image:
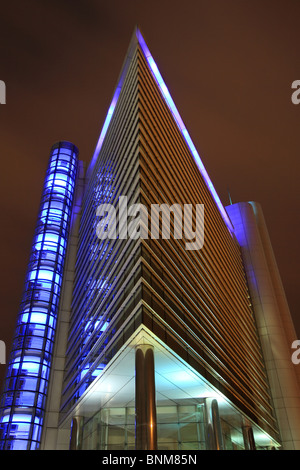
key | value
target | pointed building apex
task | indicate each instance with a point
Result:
(136, 39)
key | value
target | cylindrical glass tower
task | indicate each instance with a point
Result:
(25, 388)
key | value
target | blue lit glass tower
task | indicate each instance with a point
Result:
(26, 384)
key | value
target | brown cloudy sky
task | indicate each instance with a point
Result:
(229, 66)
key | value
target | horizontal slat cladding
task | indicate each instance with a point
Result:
(204, 292)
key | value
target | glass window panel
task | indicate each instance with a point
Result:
(116, 436)
(18, 445)
(166, 414)
(167, 432)
(187, 413)
(188, 432)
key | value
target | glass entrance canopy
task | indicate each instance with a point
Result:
(107, 408)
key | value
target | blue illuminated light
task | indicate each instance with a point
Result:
(26, 384)
(106, 124)
(182, 127)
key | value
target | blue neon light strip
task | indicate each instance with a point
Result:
(182, 127)
(171, 105)
(27, 379)
(106, 124)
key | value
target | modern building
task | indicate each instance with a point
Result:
(131, 334)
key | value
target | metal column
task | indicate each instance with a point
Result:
(248, 436)
(76, 433)
(214, 431)
(145, 421)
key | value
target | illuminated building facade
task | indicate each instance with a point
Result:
(156, 346)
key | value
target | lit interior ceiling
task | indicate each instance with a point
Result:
(175, 381)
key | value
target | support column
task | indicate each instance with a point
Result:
(76, 433)
(248, 436)
(145, 406)
(213, 425)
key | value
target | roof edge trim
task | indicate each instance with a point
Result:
(137, 38)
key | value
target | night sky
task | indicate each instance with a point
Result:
(229, 66)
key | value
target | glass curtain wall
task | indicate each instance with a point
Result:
(179, 427)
